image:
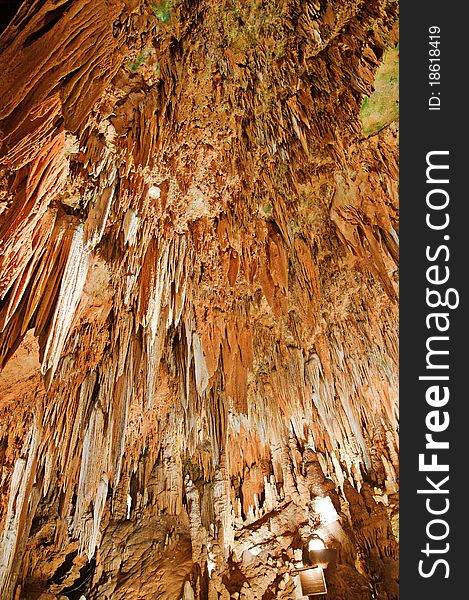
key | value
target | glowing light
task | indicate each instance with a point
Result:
(326, 510)
(210, 566)
(297, 554)
(316, 544)
(154, 192)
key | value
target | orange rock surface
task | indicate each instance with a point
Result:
(198, 299)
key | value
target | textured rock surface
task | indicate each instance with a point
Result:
(198, 285)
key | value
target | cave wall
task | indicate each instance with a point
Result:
(198, 284)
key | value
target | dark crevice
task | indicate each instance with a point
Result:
(64, 568)
(50, 19)
(82, 584)
(8, 9)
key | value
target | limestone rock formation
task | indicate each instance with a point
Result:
(198, 298)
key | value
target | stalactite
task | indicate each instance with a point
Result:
(69, 295)
(21, 483)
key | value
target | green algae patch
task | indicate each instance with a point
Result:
(382, 107)
(162, 10)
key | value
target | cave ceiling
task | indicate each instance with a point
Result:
(198, 298)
